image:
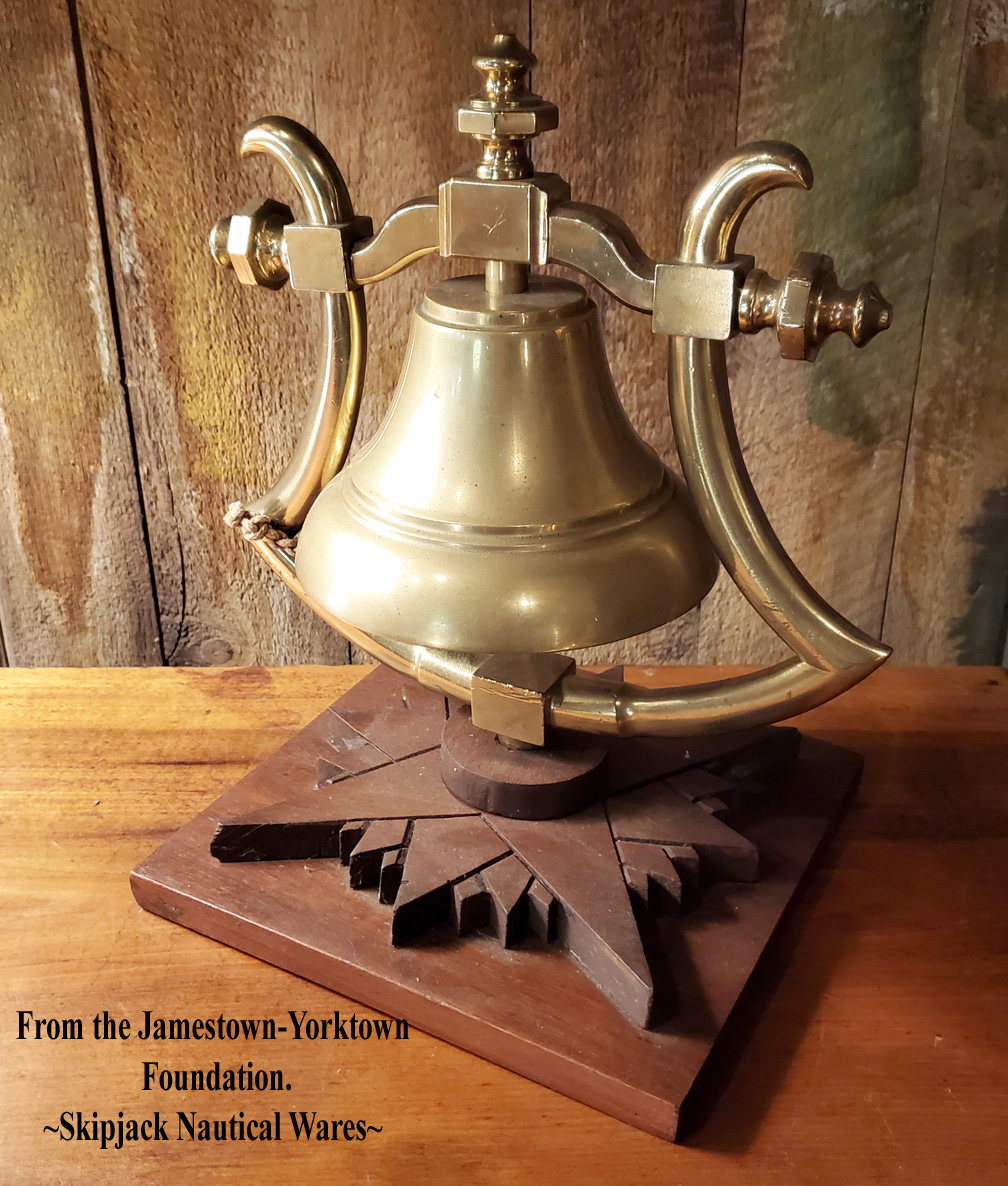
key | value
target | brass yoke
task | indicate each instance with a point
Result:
(513, 218)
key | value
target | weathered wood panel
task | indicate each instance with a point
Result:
(219, 374)
(75, 582)
(867, 90)
(948, 597)
(648, 96)
(215, 374)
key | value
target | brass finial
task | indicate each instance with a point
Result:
(505, 114)
(809, 305)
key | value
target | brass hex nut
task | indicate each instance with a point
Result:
(798, 306)
(254, 244)
(527, 120)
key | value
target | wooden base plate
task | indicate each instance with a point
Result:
(632, 1042)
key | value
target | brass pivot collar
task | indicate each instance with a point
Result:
(809, 305)
(505, 114)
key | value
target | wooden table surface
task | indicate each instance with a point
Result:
(874, 1047)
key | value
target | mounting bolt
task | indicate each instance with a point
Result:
(251, 242)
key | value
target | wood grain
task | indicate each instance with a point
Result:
(875, 1041)
(216, 374)
(75, 584)
(307, 915)
(867, 91)
(908, 190)
(220, 373)
(648, 97)
(948, 595)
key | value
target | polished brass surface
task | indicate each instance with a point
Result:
(504, 278)
(332, 412)
(828, 645)
(510, 695)
(409, 233)
(505, 516)
(504, 220)
(699, 300)
(506, 507)
(601, 246)
(587, 702)
(505, 114)
(318, 257)
(808, 305)
(532, 221)
(493, 220)
(251, 242)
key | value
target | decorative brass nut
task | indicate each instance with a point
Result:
(809, 305)
(218, 241)
(251, 242)
(797, 306)
(506, 113)
(529, 121)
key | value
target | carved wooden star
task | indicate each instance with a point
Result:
(377, 804)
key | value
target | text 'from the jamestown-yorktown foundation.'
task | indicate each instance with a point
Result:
(227, 1081)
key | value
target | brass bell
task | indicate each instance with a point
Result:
(506, 504)
(506, 509)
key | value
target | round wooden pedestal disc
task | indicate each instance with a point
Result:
(562, 777)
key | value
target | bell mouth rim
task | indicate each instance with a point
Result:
(463, 302)
(490, 595)
(396, 521)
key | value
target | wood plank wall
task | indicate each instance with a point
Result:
(141, 390)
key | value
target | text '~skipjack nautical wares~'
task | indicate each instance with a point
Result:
(579, 835)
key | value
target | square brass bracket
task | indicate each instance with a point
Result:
(699, 300)
(318, 256)
(510, 694)
(503, 220)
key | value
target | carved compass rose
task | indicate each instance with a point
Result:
(584, 883)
